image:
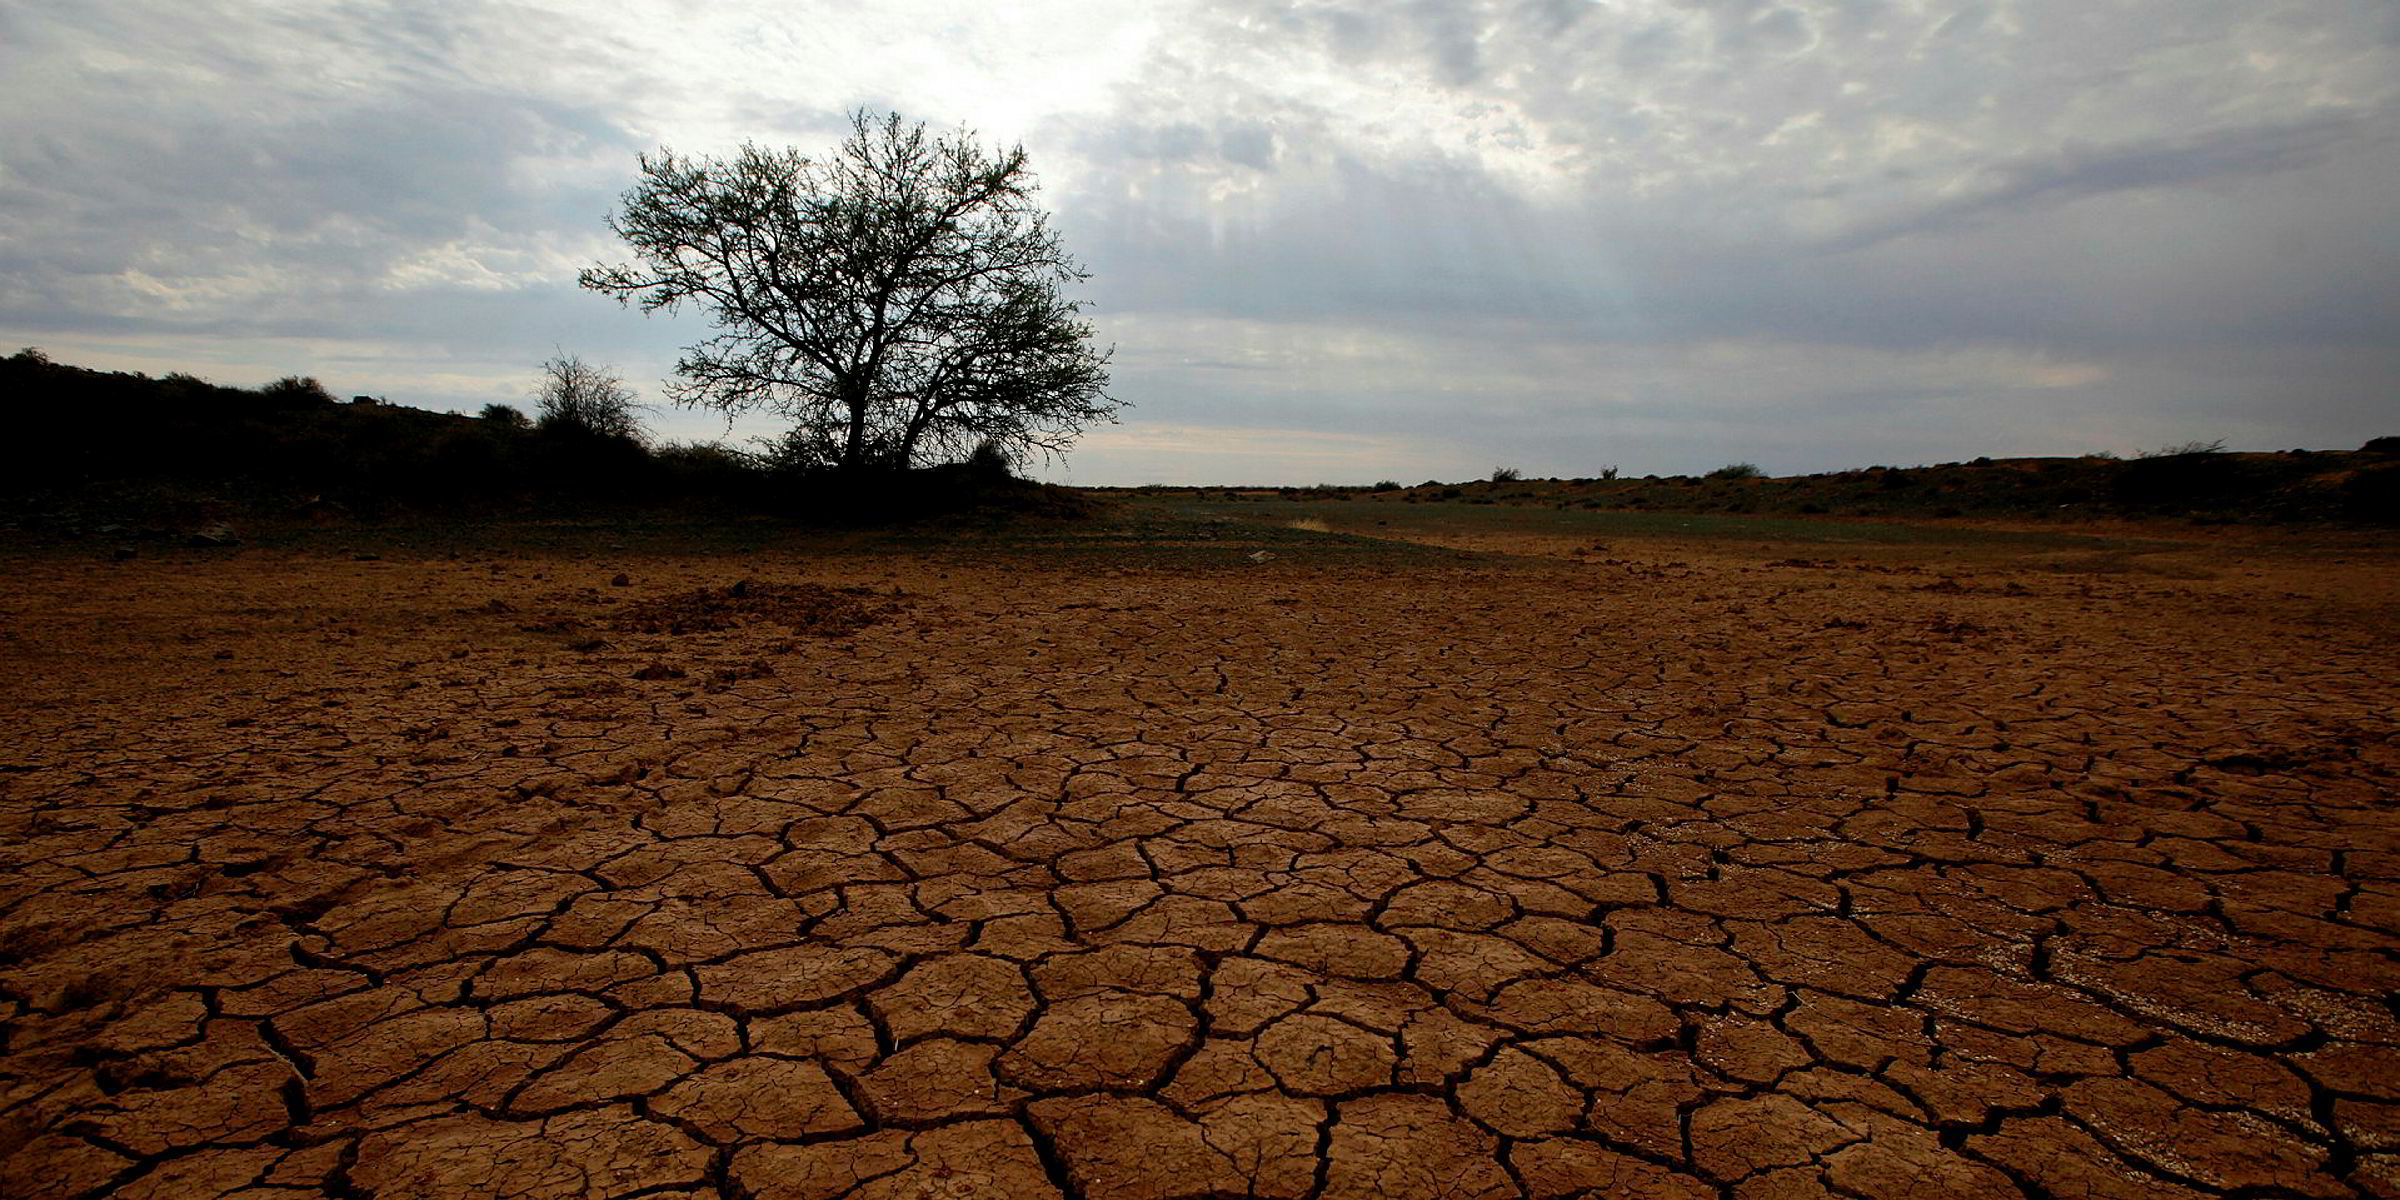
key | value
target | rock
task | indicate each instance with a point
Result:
(215, 533)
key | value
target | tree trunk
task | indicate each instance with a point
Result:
(908, 442)
(854, 449)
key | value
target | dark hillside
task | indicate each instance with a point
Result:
(79, 430)
(92, 448)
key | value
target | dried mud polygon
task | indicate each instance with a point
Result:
(1658, 877)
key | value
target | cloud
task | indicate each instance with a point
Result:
(1661, 233)
(1153, 452)
(2076, 170)
(234, 186)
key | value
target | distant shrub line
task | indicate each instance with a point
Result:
(2200, 481)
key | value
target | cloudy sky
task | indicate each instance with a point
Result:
(1337, 240)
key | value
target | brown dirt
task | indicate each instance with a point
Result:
(1666, 872)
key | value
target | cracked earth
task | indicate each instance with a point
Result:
(957, 876)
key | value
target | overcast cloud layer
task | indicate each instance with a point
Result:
(1335, 241)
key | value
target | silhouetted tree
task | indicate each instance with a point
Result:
(898, 302)
(577, 397)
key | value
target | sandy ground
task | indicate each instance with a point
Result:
(1653, 871)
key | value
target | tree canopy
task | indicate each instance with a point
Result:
(899, 302)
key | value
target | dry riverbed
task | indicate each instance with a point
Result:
(1220, 860)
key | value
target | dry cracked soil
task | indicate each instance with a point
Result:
(910, 871)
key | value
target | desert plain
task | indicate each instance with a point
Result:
(1205, 849)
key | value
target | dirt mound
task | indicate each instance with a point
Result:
(809, 609)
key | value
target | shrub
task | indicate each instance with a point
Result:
(795, 453)
(990, 460)
(576, 397)
(2175, 481)
(1506, 474)
(2178, 451)
(1739, 470)
(707, 469)
(459, 463)
(296, 391)
(506, 416)
(2373, 494)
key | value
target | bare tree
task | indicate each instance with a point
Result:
(899, 302)
(581, 397)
